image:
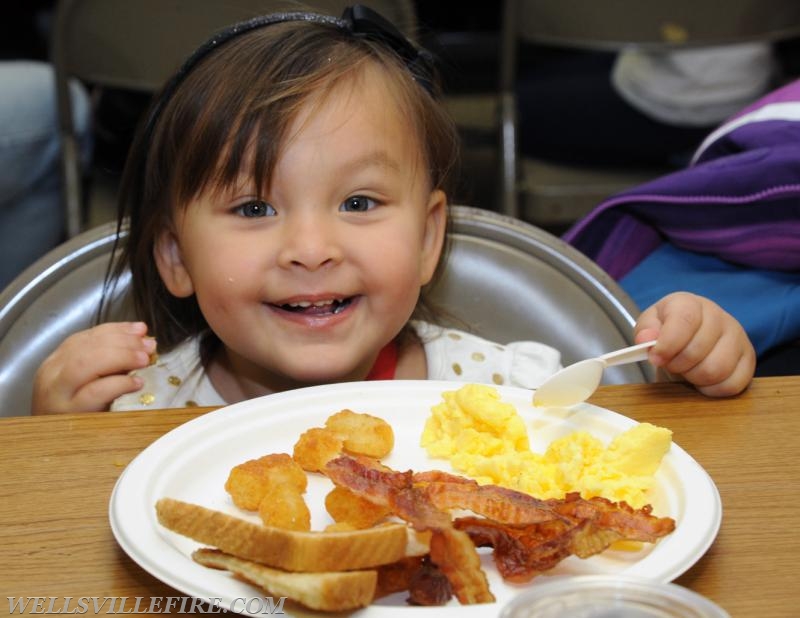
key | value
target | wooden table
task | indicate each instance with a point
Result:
(57, 473)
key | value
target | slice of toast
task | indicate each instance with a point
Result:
(288, 549)
(330, 592)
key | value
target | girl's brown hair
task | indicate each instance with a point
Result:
(236, 102)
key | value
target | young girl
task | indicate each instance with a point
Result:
(287, 202)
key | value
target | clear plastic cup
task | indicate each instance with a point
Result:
(610, 596)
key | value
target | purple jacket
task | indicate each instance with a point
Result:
(739, 199)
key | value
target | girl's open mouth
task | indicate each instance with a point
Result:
(320, 307)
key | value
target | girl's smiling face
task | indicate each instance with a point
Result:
(307, 283)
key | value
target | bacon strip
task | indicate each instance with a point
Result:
(451, 550)
(367, 477)
(588, 527)
(631, 524)
(507, 506)
(522, 552)
(429, 586)
(497, 503)
(528, 536)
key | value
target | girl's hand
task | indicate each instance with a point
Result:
(90, 369)
(700, 342)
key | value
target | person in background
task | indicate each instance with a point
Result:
(696, 87)
(635, 107)
(288, 206)
(32, 218)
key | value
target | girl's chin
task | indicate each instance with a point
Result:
(326, 377)
(292, 375)
(322, 374)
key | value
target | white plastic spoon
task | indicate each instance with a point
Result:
(576, 383)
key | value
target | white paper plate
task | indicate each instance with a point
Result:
(192, 462)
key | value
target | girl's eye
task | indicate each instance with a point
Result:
(357, 203)
(255, 208)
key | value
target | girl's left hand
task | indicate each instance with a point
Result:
(700, 342)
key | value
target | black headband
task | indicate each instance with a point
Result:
(358, 20)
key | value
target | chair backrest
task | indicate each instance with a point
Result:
(138, 45)
(510, 281)
(654, 23)
(507, 280)
(616, 24)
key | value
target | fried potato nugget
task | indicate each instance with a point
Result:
(362, 434)
(250, 481)
(316, 447)
(347, 507)
(284, 507)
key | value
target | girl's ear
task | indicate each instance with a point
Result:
(433, 241)
(169, 261)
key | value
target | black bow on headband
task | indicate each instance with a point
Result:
(366, 23)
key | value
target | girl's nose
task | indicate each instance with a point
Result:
(310, 242)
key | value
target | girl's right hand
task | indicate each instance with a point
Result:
(91, 368)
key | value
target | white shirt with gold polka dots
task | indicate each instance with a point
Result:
(178, 380)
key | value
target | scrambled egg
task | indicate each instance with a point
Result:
(486, 439)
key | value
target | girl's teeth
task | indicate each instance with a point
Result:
(305, 304)
(319, 307)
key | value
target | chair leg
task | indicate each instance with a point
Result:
(72, 186)
(508, 157)
(509, 199)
